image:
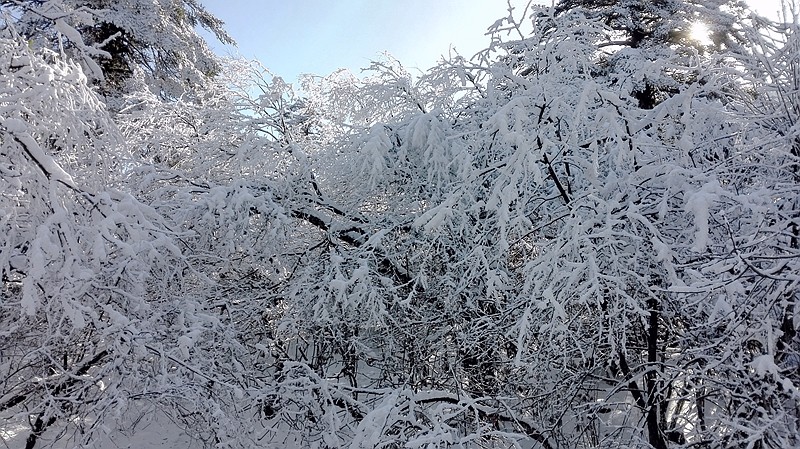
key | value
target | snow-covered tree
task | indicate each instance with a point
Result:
(97, 286)
(643, 38)
(586, 236)
(557, 260)
(118, 42)
(76, 252)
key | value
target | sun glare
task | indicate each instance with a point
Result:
(700, 33)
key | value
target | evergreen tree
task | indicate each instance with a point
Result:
(116, 40)
(641, 35)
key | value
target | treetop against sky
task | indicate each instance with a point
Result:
(320, 36)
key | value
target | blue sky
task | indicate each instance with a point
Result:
(291, 37)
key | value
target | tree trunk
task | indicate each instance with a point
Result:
(654, 396)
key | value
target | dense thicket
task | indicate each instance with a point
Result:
(585, 236)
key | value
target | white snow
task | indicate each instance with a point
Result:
(699, 203)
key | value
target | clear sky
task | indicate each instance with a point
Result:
(291, 37)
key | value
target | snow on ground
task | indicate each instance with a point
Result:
(148, 433)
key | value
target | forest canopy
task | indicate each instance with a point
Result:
(585, 236)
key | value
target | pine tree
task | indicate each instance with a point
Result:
(640, 33)
(118, 41)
